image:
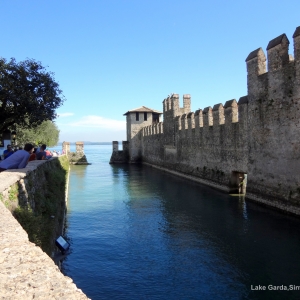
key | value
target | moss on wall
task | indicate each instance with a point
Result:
(11, 200)
(38, 202)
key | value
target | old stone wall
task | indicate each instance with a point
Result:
(273, 117)
(134, 134)
(35, 198)
(259, 135)
(35, 195)
(199, 149)
(120, 156)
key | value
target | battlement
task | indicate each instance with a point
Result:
(296, 37)
(153, 129)
(207, 116)
(277, 52)
(191, 120)
(115, 145)
(257, 135)
(183, 122)
(219, 114)
(198, 118)
(283, 69)
(231, 112)
(171, 105)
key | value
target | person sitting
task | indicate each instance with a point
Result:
(48, 154)
(38, 149)
(8, 152)
(33, 155)
(41, 155)
(17, 161)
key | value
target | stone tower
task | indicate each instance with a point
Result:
(136, 119)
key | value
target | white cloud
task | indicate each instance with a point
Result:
(91, 135)
(99, 122)
(67, 114)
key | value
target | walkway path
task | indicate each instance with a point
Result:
(26, 272)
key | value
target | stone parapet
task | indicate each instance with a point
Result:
(119, 156)
(26, 272)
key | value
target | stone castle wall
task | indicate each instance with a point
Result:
(259, 134)
(197, 148)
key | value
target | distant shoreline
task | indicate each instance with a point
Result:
(89, 143)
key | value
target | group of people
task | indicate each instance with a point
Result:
(19, 159)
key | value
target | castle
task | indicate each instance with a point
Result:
(253, 142)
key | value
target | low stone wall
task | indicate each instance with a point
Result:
(36, 197)
(119, 157)
(26, 272)
(77, 158)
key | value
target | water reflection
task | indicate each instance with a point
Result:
(243, 206)
(216, 227)
(139, 233)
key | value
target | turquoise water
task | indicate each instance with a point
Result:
(138, 233)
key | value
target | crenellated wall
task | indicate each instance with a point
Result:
(208, 143)
(273, 120)
(259, 135)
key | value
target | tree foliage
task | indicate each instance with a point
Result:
(46, 133)
(29, 94)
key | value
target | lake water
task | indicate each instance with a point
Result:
(139, 233)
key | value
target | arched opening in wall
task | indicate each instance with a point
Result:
(238, 183)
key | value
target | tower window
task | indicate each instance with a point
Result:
(155, 118)
(145, 116)
(137, 116)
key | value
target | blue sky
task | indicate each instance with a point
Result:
(115, 55)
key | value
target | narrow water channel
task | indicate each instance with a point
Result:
(139, 233)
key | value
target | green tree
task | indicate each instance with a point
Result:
(46, 133)
(29, 94)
